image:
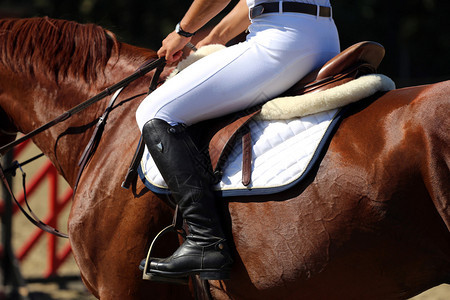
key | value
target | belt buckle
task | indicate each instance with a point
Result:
(256, 11)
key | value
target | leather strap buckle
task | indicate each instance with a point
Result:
(256, 11)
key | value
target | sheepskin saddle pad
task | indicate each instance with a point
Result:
(287, 137)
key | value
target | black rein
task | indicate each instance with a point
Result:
(90, 149)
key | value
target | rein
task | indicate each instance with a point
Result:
(147, 67)
(30, 216)
(93, 142)
(7, 132)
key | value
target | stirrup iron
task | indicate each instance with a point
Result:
(174, 227)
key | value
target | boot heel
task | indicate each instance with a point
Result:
(215, 275)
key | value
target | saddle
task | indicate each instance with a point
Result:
(360, 59)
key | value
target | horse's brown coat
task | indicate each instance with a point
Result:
(372, 224)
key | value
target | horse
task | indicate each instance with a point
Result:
(371, 222)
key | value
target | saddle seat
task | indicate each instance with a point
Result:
(360, 59)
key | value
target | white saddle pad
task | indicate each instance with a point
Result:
(284, 147)
(282, 151)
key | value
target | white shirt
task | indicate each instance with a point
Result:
(252, 3)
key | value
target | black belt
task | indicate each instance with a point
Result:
(297, 7)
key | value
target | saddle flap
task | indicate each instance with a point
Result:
(222, 142)
(361, 58)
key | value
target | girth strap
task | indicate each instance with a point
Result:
(246, 158)
(223, 141)
(132, 169)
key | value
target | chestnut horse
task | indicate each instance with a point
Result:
(372, 222)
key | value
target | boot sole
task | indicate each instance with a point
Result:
(163, 279)
(218, 275)
(204, 274)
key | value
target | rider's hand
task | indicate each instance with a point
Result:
(172, 46)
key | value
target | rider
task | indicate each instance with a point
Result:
(286, 40)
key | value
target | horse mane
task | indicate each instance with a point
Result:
(58, 48)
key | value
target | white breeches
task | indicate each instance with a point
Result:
(279, 51)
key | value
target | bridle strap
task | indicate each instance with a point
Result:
(150, 65)
(93, 143)
(95, 139)
(5, 132)
(98, 131)
(32, 218)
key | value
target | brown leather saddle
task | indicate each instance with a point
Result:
(360, 59)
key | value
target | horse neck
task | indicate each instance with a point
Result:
(32, 103)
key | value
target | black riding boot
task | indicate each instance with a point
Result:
(187, 172)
